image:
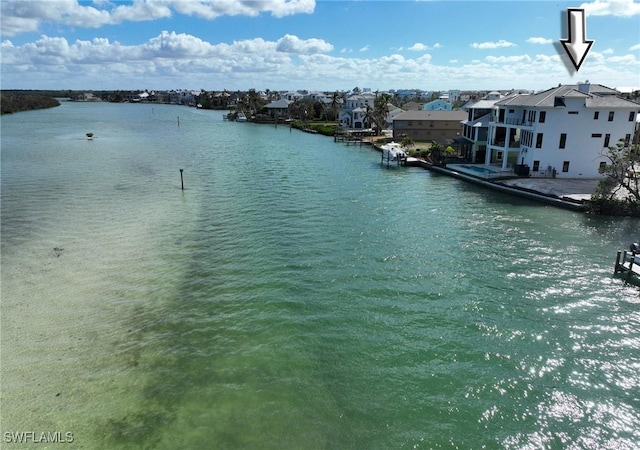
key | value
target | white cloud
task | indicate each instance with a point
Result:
(293, 44)
(625, 59)
(420, 47)
(177, 60)
(490, 45)
(366, 48)
(19, 16)
(539, 40)
(624, 8)
(508, 59)
(635, 47)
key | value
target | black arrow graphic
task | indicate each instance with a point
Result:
(577, 45)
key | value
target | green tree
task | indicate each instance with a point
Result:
(335, 103)
(621, 177)
(407, 142)
(368, 117)
(380, 111)
(435, 147)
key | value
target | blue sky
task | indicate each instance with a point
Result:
(306, 44)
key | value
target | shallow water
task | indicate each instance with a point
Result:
(296, 294)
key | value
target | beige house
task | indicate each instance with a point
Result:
(425, 126)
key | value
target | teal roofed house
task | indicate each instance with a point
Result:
(437, 105)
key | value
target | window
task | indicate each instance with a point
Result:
(563, 140)
(543, 116)
(539, 140)
(511, 111)
(565, 166)
(573, 112)
(596, 135)
(498, 156)
(536, 166)
(607, 138)
(602, 167)
(627, 139)
(632, 116)
(611, 114)
(596, 115)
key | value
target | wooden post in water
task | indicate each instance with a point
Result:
(181, 180)
(178, 120)
(631, 260)
(617, 267)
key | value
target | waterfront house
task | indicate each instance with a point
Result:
(353, 114)
(563, 131)
(475, 128)
(279, 108)
(443, 127)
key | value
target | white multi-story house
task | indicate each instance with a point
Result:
(476, 128)
(563, 131)
(353, 112)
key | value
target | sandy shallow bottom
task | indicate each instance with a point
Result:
(65, 347)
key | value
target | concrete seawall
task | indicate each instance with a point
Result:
(496, 186)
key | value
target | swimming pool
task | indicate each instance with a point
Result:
(479, 169)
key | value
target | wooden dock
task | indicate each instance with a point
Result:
(628, 266)
(348, 139)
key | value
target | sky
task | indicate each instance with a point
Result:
(323, 45)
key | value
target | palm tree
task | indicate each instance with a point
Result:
(381, 109)
(368, 117)
(335, 103)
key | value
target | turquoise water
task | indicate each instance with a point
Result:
(479, 169)
(297, 294)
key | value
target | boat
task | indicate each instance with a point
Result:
(393, 151)
(241, 117)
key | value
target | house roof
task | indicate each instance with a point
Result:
(282, 103)
(431, 115)
(480, 122)
(595, 95)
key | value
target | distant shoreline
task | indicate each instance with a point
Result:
(13, 102)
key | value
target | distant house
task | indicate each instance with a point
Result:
(412, 106)
(392, 112)
(86, 97)
(279, 108)
(475, 128)
(292, 96)
(560, 132)
(443, 127)
(437, 105)
(353, 114)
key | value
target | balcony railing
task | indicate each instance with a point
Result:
(517, 122)
(501, 143)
